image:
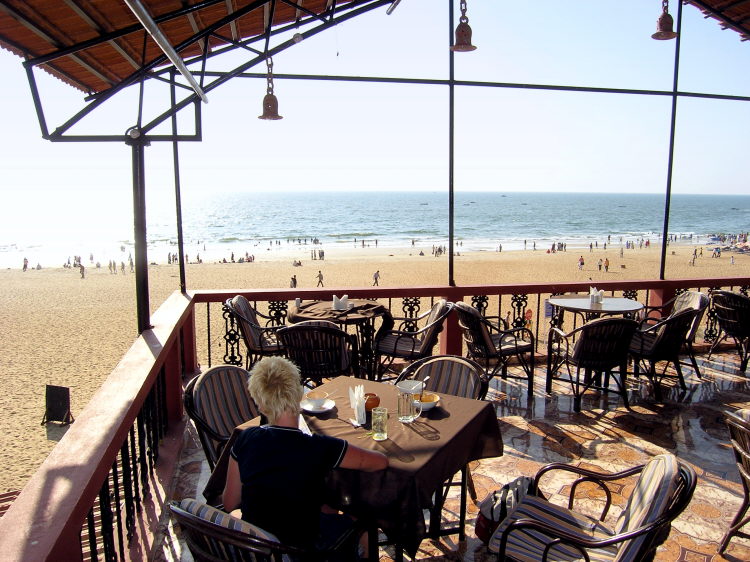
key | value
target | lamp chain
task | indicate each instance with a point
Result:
(462, 7)
(269, 75)
(665, 6)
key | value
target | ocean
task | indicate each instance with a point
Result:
(217, 225)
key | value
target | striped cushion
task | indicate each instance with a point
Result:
(528, 545)
(398, 345)
(650, 498)
(221, 398)
(509, 344)
(223, 519)
(450, 375)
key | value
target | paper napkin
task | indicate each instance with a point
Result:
(357, 401)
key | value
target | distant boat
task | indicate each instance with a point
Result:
(424, 203)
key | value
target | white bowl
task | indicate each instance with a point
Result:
(316, 398)
(426, 406)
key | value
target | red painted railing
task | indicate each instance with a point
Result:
(45, 521)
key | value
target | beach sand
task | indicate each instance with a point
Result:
(63, 330)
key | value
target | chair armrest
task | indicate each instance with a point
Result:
(580, 542)
(595, 477)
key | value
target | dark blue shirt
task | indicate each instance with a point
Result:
(283, 476)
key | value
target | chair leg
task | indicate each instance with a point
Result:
(691, 354)
(655, 381)
(737, 523)
(470, 485)
(680, 378)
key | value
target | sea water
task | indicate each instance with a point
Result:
(216, 226)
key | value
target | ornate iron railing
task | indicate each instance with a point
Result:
(90, 494)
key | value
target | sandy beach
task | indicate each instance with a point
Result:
(63, 330)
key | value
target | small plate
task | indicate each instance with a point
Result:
(308, 407)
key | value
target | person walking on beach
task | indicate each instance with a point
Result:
(580, 263)
(606, 264)
(293, 282)
(320, 279)
(600, 264)
(83, 271)
(376, 278)
(25, 264)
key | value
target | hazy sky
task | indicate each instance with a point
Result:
(348, 136)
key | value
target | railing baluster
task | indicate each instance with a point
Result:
(118, 506)
(105, 511)
(127, 485)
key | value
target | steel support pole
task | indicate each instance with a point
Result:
(177, 192)
(139, 226)
(451, 119)
(668, 197)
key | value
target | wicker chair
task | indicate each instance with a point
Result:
(600, 346)
(393, 344)
(685, 301)
(450, 374)
(213, 535)
(733, 315)
(218, 401)
(662, 341)
(739, 433)
(537, 530)
(487, 342)
(259, 341)
(320, 349)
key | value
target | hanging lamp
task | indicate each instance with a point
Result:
(270, 103)
(463, 32)
(665, 24)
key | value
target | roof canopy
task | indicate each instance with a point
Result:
(95, 45)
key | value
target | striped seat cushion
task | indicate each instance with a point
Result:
(508, 344)
(652, 495)
(450, 375)
(223, 519)
(221, 398)
(398, 345)
(528, 545)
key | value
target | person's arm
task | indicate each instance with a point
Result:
(232, 496)
(358, 458)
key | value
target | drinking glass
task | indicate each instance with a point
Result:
(409, 406)
(380, 423)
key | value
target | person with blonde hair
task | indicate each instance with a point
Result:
(276, 473)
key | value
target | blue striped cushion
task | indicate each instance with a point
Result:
(449, 375)
(223, 519)
(528, 545)
(221, 398)
(650, 498)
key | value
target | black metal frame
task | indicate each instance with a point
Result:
(140, 136)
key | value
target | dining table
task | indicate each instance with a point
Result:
(361, 314)
(423, 456)
(591, 310)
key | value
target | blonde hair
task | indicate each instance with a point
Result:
(275, 385)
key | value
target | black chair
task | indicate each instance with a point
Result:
(540, 530)
(320, 349)
(684, 301)
(218, 401)
(739, 432)
(410, 345)
(733, 315)
(662, 341)
(489, 342)
(260, 341)
(458, 376)
(213, 535)
(597, 348)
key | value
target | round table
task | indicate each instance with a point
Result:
(361, 314)
(583, 305)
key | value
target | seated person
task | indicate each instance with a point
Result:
(277, 473)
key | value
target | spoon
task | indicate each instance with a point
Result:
(424, 383)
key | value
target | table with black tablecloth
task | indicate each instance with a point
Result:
(422, 456)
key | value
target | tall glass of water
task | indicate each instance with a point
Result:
(409, 407)
(380, 423)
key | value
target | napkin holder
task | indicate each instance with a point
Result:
(341, 303)
(357, 400)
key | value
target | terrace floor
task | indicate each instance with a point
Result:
(540, 429)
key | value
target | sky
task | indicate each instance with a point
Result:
(354, 136)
